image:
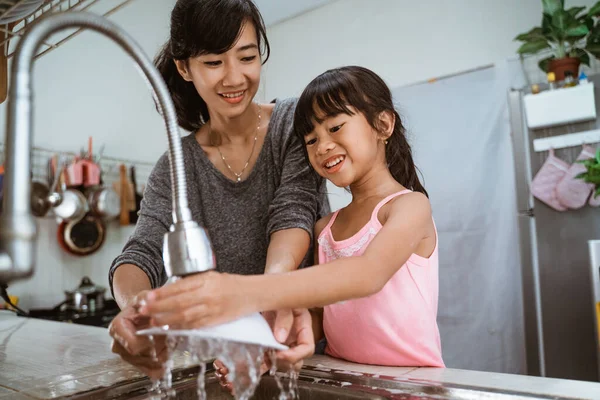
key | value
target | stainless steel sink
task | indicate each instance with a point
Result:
(315, 383)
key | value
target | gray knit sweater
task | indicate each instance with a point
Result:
(281, 192)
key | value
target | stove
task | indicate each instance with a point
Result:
(101, 317)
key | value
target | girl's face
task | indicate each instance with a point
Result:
(229, 81)
(344, 148)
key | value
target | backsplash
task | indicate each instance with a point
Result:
(57, 271)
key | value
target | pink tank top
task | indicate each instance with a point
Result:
(396, 326)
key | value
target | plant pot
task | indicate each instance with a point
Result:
(562, 65)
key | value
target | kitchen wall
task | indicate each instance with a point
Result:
(89, 87)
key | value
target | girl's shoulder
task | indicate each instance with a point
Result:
(321, 224)
(411, 203)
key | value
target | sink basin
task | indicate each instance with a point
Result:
(315, 383)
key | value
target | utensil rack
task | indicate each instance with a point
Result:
(109, 165)
(47, 8)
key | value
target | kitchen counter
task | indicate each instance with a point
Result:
(44, 359)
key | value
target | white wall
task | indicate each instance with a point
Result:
(405, 41)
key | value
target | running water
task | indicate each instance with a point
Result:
(243, 361)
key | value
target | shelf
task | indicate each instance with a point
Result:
(560, 106)
(50, 7)
(568, 140)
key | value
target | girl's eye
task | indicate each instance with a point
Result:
(248, 59)
(336, 128)
(311, 141)
(212, 63)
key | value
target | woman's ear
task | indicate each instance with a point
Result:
(183, 69)
(386, 123)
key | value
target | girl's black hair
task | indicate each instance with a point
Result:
(334, 91)
(203, 27)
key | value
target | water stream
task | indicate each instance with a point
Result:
(243, 360)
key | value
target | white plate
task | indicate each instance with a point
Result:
(252, 329)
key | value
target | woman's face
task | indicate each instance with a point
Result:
(229, 81)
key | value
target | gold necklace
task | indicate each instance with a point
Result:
(239, 176)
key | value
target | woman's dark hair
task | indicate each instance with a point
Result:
(203, 27)
(334, 91)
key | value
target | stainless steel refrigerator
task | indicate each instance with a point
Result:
(558, 295)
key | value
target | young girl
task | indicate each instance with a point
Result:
(377, 276)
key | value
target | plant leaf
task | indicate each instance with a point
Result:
(595, 33)
(535, 33)
(543, 64)
(594, 11)
(533, 47)
(588, 21)
(561, 22)
(577, 31)
(593, 48)
(574, 11)
(547, 25)
(551, 6)
(583, 56)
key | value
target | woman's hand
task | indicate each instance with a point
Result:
(204, 299)
(137, 350)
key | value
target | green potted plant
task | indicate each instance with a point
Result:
(571, 35)
(592, 175)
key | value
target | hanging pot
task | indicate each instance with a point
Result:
(73, 205)
(104, 202)
(82, 237)
(87, 297)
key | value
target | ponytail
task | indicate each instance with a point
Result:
(399, 158)
(190, 107)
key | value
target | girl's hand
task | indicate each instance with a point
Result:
(300, 341)
(208, 298)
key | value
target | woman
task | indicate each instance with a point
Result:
(248, 182)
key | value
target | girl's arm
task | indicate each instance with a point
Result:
(408, 223)
(213, 298)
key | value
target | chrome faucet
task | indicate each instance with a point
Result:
(186, 249)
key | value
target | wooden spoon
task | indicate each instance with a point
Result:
(124, 216)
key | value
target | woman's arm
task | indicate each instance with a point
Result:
(286, 251)
(293, 211)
